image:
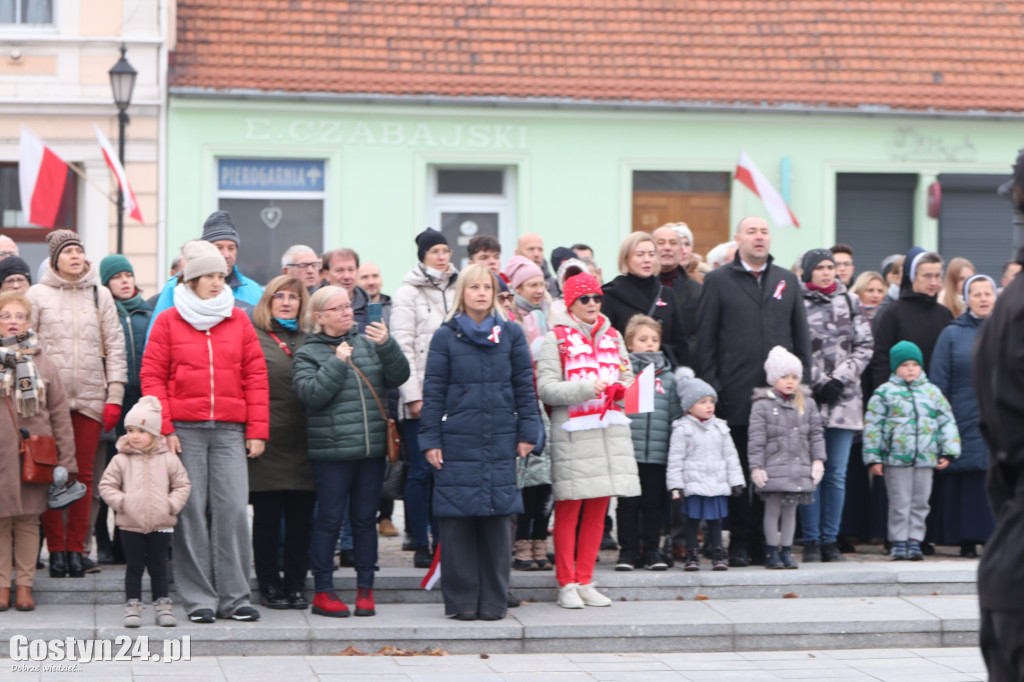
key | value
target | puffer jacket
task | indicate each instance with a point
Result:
(146, 491)
(584, 464)
(951, 374)
(478, 404)
(343, 421)
(909, 425)
(87, 349)
(841, 348)
(419, 308)
(217, 375)
(702, 458)
(134, 325)
(651, 431)
(784, 442)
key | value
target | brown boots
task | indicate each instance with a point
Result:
(531, 555)
(23, 600)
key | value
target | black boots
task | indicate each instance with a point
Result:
(76, 569)
(58, 564)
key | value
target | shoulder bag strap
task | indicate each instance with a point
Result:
(654, 305)
(370, 386)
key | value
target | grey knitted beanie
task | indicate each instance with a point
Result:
(691, 389)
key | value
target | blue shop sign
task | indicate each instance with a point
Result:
(279, 175)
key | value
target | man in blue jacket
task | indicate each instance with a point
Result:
(220, 231)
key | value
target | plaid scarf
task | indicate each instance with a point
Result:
(19, 378)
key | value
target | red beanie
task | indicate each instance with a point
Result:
(578, 285)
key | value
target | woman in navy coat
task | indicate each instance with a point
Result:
(479, 414)
(960, 510)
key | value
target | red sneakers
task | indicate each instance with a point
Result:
(328, 604)
(364, 602)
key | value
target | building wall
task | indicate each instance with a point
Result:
(54, 80)
(573, 168)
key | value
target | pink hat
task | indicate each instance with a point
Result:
(519, 269)
(580, 285)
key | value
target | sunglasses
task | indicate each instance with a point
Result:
(504, 296)
(586, 299)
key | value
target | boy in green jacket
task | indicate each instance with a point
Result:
(909, 430)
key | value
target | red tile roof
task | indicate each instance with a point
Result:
(945, 55)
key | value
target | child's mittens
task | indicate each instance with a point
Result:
(817, 471)
(676, 493)
(759, 477)
(737, 490)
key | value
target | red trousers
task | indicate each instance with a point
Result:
(69, 535)
(578, 538)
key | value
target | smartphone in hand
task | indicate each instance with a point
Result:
(373, 313)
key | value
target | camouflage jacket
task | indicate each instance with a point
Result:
(841, 348)
(909, 424)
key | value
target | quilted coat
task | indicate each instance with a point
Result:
(909, 424)
(841, 348)
(343, 421)
(217, 375)
(146, 491)
(478, 404)
(651, 431)
(76, 339)
(591, 463)
(783, 442)
(702, 458)
(951, 374)
(418, 309)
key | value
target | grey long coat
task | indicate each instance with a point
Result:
(783, 442)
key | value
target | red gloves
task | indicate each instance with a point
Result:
(612, 394)
(111, 415)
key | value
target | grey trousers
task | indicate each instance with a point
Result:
(212, 552)
(909, 489)
(476, 561)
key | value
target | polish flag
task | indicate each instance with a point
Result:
(640, 394)
(754, 179)
(434, 573)
(41, 178)
(131, 206)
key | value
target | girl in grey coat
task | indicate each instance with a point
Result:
(786, 449)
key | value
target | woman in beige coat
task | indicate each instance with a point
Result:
(31, 387)
(582, 373)
(76, 320)
(420, 306)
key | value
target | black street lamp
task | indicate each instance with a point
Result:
(122, 82)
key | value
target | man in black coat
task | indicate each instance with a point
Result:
(998, 371)
(916, 316)
(674, 277)
(746, 308)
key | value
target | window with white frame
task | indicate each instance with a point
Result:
(26, 12)
(466, 201)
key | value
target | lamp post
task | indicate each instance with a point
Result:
(122, 83)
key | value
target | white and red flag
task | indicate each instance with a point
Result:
(41, 178)
(434, 573)
(754, 179)
(640, 394)
(131, 206)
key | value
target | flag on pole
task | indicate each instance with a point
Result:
(640, 394)
(131, 206)
(41, 178)
(434, 574)
(754, 179)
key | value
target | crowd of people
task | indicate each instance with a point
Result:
(814, 403)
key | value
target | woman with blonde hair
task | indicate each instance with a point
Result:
(281, 479)
(958, 272)
(870, 287)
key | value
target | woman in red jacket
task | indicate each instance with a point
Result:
(203, 361)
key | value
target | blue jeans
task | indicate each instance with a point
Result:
(418, 518)
(820, 519)
(354, 485)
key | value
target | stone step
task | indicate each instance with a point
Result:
(632, 626)
(401, 585)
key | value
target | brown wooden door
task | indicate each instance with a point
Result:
(707, 214)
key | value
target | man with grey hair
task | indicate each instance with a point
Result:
(721, 254)
(669, 249)
(340, 268)
(7, 247)
(302, 263)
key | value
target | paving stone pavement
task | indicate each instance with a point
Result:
(889, 665)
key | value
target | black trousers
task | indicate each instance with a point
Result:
(1002, 644)
(475, 564)
(639, 518)
(268, 509)
(746, 511)
(145, 551)
(532, 524)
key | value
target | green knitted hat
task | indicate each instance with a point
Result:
(113, 264)
(903, 351)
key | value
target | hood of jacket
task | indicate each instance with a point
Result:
(418, 277)
(125, 449)
(768, 393)
(89, 278)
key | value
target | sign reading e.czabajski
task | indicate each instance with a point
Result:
(387, 133)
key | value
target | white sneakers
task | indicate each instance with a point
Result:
(576, 596)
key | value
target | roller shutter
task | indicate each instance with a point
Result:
(875, 215)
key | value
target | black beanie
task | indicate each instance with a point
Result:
(811, 260)
(219, 226)
(559, 255)
(12, 265)
(428, 239)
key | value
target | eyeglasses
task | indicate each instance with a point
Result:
(844, 263)
(338, 309)
(934, 277)
(305, 266)
(505, 297)
(587, 298)
(8, 254)
(285, 296)
(18, 317)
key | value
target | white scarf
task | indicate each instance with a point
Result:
(203, 314)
